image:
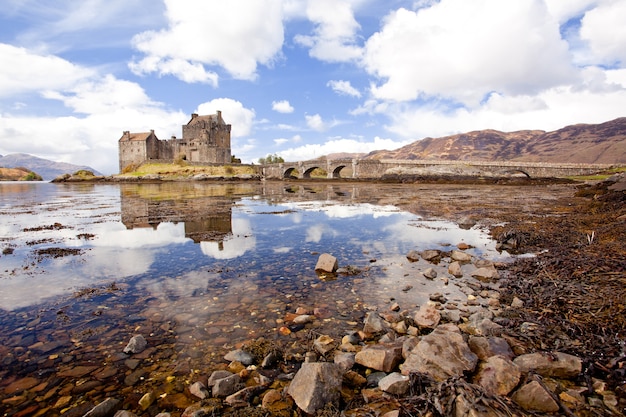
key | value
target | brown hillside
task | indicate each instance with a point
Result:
(18, 174)
(583, 143)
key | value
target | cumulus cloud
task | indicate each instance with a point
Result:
(462, 51)
(30, 72)
(604, 30)
(344, 88)
(236, 39)
(311, 151)
(233, 112)
(334, 37)
(315, 122)
(282, 106)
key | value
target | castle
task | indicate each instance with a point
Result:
(206, 139)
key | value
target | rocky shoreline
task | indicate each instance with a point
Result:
(543, 336)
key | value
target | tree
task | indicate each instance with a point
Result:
(271, 159)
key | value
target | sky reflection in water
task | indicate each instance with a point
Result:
(153, 235)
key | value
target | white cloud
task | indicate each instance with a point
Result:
(233, 112)
(215, 34)
(184, 70)
(604, 30)
(282, 106)
(312, 151)
(31, 72)
(344, 88)
(463, 50)
(334, 36)
(315, 122)
(280, 141)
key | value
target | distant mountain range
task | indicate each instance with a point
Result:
(48, 170)
(603, 143)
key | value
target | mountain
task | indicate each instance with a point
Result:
(48, 170)
(603, 143)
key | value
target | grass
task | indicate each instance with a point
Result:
(181, 171)
(599, 177)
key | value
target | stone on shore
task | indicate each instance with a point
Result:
(556, 364)
(430, 273)
(315, 385)
(106, 408)
(326, 263)
(486, 274)
(486, 347)
(395, 383)
(226, 386)
(454, 269)
(533, 397)
(441, 354)
(239, 355)
(459, 256)
(374, 323)
(498, 375)
(137, 344)
(380, 357)
(427, 316)
(431, 255)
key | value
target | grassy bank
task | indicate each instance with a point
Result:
(183, 170)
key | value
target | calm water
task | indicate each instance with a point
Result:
(200, 267)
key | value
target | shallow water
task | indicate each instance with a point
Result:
(200, 267)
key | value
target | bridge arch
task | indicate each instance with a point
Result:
(308, 171)
(517, 171)
(290, 173)
(336, 173)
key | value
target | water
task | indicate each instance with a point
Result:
(199, 268)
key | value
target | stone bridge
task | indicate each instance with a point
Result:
(375, 169)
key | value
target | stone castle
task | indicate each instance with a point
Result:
(206, 139)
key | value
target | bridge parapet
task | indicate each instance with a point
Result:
(374, 169)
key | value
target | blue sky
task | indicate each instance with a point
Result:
(301, 78)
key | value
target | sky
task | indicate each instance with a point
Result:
(301, 78)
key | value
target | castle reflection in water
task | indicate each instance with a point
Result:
(206, 214)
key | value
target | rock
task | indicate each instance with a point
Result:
(427, 317)
(226, 386)
(124, 413)
(352, 338)
(481, 327)
(106, 408)
(242, 398)
(395, 383)
(464, 407)
(486, 274)
(354, 379)
(431, 255)
(345, 360)
(199, 390)
(136, 344)
(315, 385)
(239, 355)
(517, 303)
(324, 344)
(533, 397)
(374, 324)
(380, 357)
(304, 319)
(459, 256)
(146, 401)
(413, 256)
(275, 402)
(326, 263)
(558, 364)
(498, 375)
(454, 269)
(374, 378)
(441, 354)
(270, 359)
(430, 273)
(216, 376)
(486, 347)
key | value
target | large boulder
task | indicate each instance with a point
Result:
(556, 364)
(498, 375)
(381, 357)
(326, 263)
(441, 354)
(315, 385)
